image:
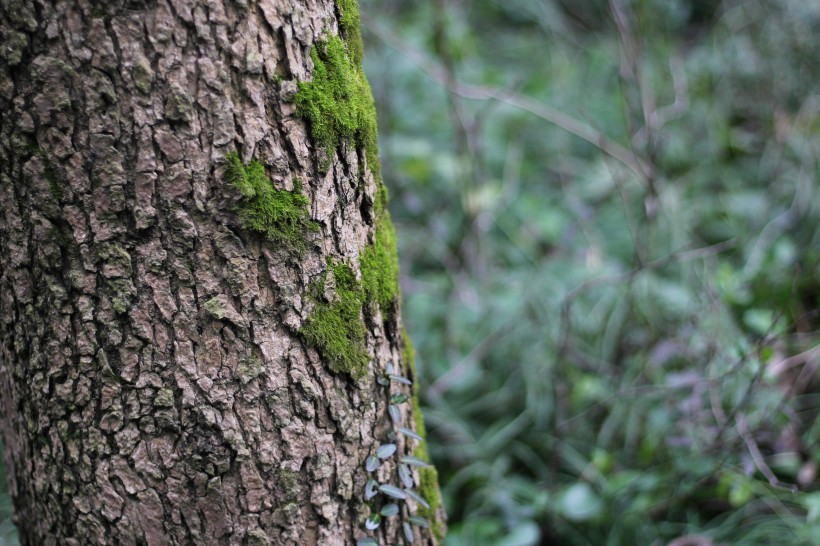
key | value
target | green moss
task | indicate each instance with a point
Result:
(380, 265)
(335, 327)
(428, 486)
(351, 25)
(281, 216)
(338, 102)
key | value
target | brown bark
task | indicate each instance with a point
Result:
(131, 414)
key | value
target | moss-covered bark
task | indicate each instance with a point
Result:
(191, 339)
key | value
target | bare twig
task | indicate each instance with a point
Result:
(757, 456)
(512, 98)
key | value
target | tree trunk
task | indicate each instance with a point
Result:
(198, 282)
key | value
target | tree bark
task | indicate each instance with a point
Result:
(183, 361)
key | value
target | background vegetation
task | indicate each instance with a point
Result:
(608, 224)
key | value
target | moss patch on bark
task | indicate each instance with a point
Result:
(350, 22)
(281, 216)
(336, 327)
(338, 102)
(380, 265)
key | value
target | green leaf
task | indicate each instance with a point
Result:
(400, 379)
(395, 413)
(389, 510)
(414, 461)
(392, 491)
(410, 433)
(580, 503)
(420, 521)
(416, 497)
(408, 532)
(371, 463)
(385, 451)
(405, 475)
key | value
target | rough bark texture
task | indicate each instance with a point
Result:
(159, 385)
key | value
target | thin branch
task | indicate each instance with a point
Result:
(506, 96)
(757, 456)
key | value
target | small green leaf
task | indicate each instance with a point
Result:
(413, 461)
(420, 521)
(392, 491)
(399, 398)
(410, 433)
(395, 413)
(400, 379)
(408, 532)
(385, 451)
(371, 464)
(416, 497)
(405, 475)
(389, 510)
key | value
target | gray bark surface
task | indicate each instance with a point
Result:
(131, 413)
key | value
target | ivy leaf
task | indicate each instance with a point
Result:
(399, 398)
(371, 464)
(413, 461)
(405, 475)
(400, 379)
(392, 491)
(416, 497)
(411, 433)
(389, 510)
(395, 413)
(370, 489)
(420, 521)
(385, 450)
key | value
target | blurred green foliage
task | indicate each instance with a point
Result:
(610, 356)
